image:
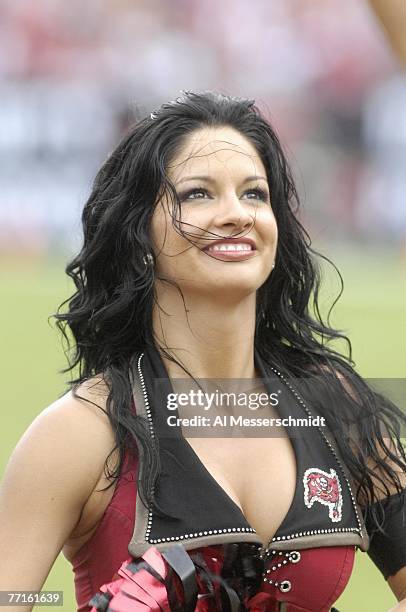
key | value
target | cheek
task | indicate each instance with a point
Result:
(275, 229)
(168, 245)
(268, 227)
(194, 220)
(161, 231)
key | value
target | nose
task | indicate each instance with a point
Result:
(233, 215)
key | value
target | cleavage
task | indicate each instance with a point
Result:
(257, 474)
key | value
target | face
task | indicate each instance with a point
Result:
(323, 483)
(226, 211)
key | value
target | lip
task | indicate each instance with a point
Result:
(231, 241)
(232, 255)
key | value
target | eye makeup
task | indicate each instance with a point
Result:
(188, 194)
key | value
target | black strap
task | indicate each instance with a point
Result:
(227, 600)
(178, 559)
(136, 566)
(387, 547)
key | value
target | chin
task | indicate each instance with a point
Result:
(238, 286)
(234, 278)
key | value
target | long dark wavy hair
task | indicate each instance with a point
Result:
(108, 319)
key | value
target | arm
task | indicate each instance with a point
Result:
(392, 15)
(397, 581)
(48, 479)
(394, 542)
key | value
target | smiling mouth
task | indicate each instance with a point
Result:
(229, 248)
(237, 251)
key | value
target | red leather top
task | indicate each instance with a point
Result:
(317, 580)
(100, 557)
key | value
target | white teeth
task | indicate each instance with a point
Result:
(231, 247)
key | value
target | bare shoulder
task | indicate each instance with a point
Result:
(81, 418)
(89, 400)
(71, 436)
(48, 481)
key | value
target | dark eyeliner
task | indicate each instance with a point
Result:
(260, 192)
(184, 195)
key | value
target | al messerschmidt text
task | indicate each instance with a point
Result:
(230, 420)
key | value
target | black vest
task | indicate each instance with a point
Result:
(324, 511)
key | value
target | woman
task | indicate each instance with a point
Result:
(195, 267)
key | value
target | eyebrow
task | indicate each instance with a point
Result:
(209, 179)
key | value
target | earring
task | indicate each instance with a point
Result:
(148, 260)
(273, 265)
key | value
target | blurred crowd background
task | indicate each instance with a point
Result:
(74, 75)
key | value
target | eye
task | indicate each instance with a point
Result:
(198, 193)
(259, 194)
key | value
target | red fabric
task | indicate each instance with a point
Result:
(318, 579)
(100, 557)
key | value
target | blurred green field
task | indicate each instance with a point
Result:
(372, 311)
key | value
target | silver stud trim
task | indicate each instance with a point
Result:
(291, 556)
(185, 536)
(314, 532)
(294, 556)
(332, 449)
(197, 534)
(284, 586)
(247, 529)
(145, 394)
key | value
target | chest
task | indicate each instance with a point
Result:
(270, 490)
(258, 474)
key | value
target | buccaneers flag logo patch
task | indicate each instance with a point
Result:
(325, 488)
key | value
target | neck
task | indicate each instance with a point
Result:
(213, 339)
